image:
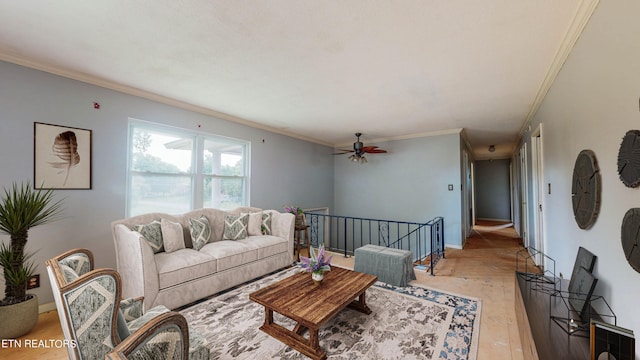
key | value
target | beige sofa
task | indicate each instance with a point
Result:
(176, 277)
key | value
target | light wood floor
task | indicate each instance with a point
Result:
(483, 269)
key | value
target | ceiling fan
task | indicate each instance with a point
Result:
(359, 150)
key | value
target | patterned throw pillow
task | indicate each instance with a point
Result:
(200, 232)
(172, 235)
(265, 227)
(152, 232)
(235, 227)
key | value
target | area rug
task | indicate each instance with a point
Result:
(413, 322)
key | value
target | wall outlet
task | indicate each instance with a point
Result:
(34, 282)
(450, 187)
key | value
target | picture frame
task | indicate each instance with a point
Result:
(62, 157)
(580, 291)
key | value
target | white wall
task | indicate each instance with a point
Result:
(409, 183)
(591, 105)
(283, 170)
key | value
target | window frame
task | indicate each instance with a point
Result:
(197, 162)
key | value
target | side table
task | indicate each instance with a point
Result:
(299, 230)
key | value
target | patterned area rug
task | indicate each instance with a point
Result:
(406, 323)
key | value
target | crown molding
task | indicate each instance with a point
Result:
(578, 23)
(111, 85)
(408, 136)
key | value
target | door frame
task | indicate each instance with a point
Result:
(524, 195)
(467, 196)
(537, 184)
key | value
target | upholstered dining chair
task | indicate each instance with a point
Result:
(95, 321)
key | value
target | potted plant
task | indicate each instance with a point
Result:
(21, 208)
(299, 214)
(317, 264)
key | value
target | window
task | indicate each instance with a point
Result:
(173, 170)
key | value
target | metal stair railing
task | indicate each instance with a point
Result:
(344, 234)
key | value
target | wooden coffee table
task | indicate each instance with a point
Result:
(311, 306)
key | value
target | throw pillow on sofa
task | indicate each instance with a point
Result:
(235, 227)
(172, 235)
(253, 226)
(152, 233)
(200, 232)
(265, 226)
(259, 223)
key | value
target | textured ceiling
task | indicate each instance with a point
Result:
(316, 70)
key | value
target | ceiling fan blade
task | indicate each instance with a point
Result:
(342, 151)
(373, 150)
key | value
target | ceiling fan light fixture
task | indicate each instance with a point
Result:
(359, 150)
(360, 159)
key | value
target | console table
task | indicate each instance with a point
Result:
(540, 336)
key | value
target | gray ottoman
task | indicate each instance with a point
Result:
(392, 266)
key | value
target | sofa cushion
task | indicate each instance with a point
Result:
(231, 253)
(200, 231)
(235, 227)
(266, 245)
(172, 235)
(182, 266)
(152, 233)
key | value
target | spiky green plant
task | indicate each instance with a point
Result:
(22, 208)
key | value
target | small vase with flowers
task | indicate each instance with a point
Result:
(316, 264)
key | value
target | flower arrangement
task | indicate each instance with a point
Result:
(294, 210)
(318, 262)
(299, 214)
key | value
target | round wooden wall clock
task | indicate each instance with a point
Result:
(585, 189)
(629, 159)
(631, 237)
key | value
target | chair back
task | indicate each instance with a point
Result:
(86, 300)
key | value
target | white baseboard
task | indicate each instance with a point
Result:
(459, 247)
(43, 308)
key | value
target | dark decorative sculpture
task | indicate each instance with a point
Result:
(629, 159)
(631, 237)
(585, 189)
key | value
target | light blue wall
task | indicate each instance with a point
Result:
(284, 170)
(493, 195)
(409, 183)
(591, 105)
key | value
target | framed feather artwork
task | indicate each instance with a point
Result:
(62, 157)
